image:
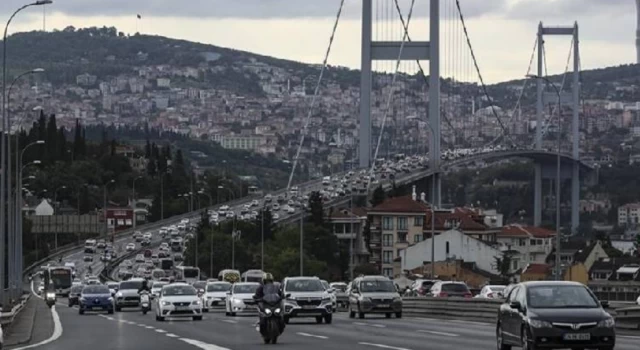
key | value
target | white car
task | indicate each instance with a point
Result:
(139, 258)
(147, 235)
(178, 300)
(131, 247)
(216, 294)
(239, 296)
(275, 216)
(492, 292)
(291, 210)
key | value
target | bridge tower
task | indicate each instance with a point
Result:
(390, 51)
(546, 98)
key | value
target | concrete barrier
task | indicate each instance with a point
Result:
(486, 310)
(8, 317)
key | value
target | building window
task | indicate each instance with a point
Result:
(447, 248)
(533, 242)
(387, 223)
(417, 238)
(418, 221)
(402, 237)
(402, 223)
(522, 242)
(387, 240)
(387, 257)
(387, 272)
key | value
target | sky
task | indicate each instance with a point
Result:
(502, 32)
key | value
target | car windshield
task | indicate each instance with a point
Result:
(159, 285)
(455, 288)
(561, 296)
(219, 287)
(173, 290)
(325, 284)
(130, 285)
(380, 286)
(244, 288)
(306, 285)
(96, 290)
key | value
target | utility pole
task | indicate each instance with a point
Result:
(262, 239)
(302, 243)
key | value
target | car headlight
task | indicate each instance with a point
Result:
(327, 298)
(366, 300)
(119, 295)
(539, 324)
(110, 300)
(396, 299)
(278, 311)
(51, 295)
(166, 303)
(267, 311)
(236, 301)
(82, 300)
(607, 323)
(197, 302)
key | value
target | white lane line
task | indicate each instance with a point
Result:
(438, 333)
(171, 335)
(202, 345)
(161, 331)
(628, 337)
(424, 319)
(469, 322)
(229, 321)
(383, 346)
(312, 335)
(369, 325)
(149, 327)
(57, 331)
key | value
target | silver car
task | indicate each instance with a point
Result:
(127, 295)
(374, 295)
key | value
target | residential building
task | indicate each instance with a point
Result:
(347, 225)
(242, 142)
(573, 253)
(616, 279)
(629, 214)
(535, 272)
(44, 208)
(527, 244)
(395, 224)
(459, 270)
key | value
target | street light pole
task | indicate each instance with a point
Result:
(133, 200)
(104, 208)
(262, 238)
(5, 163)
(558, 175)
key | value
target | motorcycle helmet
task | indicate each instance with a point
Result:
(267, 277)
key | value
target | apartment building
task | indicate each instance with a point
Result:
(629, 214)
(529, 245)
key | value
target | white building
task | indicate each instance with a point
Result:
(44, 208)
(629, 214)
(451, 244)
(529, 244)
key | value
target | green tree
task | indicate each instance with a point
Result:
(378, 196)
(316, 208)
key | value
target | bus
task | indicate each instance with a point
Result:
(188, 274)
(61, 277)
(228, 275)
(252, 276)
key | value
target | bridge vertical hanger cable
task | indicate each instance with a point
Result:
(390, 96)
(405, 26)
(522, 91)
(315, 94)
(484, 86)
(562, 86)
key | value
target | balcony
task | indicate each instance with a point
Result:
(347, 235)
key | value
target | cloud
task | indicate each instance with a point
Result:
(253, 9)
(567, 9)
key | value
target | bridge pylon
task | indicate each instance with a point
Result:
(390, 51)
(544, 99)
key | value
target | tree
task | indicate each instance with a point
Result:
(503, 264)
(365, 269)
(316, 208)
(378, 196)
(366, 233)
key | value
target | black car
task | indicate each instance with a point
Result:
(554, 315)
(74, 295)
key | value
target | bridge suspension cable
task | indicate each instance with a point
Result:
(316, 93)
(475, 63)
(391, 91)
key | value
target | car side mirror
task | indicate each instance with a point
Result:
(331, 290)
(355, 291)
(515, 305)
(287, 296)
(604, 304)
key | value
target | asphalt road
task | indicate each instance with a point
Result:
(132, 330)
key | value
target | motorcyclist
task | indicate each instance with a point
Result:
(144, 287)
(267, 288)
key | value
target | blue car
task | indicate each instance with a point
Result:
(95, 298)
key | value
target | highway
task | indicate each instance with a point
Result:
(132, 330)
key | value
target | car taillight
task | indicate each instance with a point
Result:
(490, 295)
(443, 295)
(468, 295)
(421, 291)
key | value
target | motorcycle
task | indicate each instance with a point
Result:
(144, 302)
(50, 299)
(271, 311)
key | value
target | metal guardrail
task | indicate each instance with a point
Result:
(486, 310)
(8, 317)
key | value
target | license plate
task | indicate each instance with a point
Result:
(384, 305)
(308, 307)
(577, 336)
(182, 308)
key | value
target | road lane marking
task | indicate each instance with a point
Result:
(149, 327)
(369, 325)
(383, 346)
(57, 331)
(229, 321)
(470, 322)
(438, 333)
(161, 331)
(312, 335)
(171, 335)
(202, 345)
(628, 337)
